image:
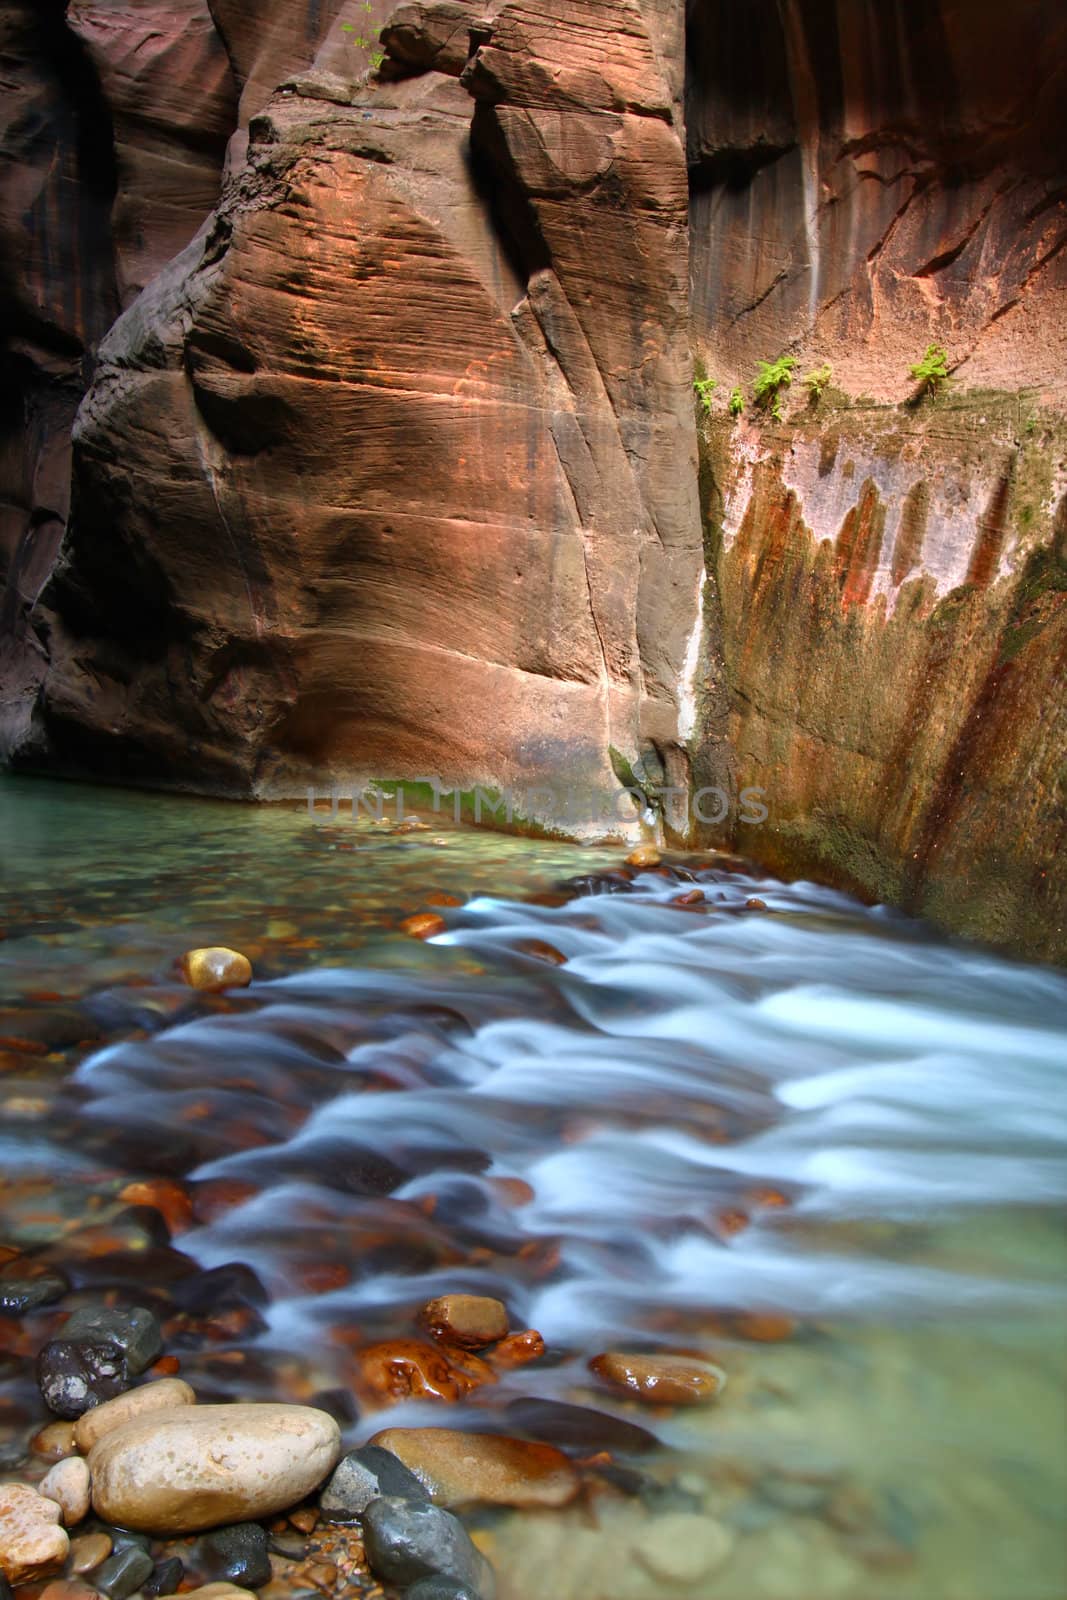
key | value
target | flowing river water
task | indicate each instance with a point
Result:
(814, 1142)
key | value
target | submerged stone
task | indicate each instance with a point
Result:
(406, 1542)
(215, 968)
(458, 1468)
(660, 1379)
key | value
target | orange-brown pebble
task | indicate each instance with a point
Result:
(215, 968)
(401, 1369)
(730, 1222)
(305, 1519)
(470, 1320)
(87, 1552)
(164, 1196)
(517, 1349)
(66, 1589)
(55, 1442)
(542, 952)
(440, 898)
(166, 1367)
(424, 925)
(694, 897)
(764, 1327)
(755, 904)
(646, 855)
(32, 1544)
(660, 1380)
(458, 1468)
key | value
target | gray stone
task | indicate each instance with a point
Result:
(123, 1572)
(365, 1475)
(166, 1578)
(19, 1295)
(406, 1542)
(440, 1589)
(238, 1554)
(132, 1328)
(73, 1378)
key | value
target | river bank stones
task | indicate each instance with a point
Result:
(365, 1475)
(166, 1395)
(459, 1468)
(660, 1380)
(67, 1483)
(406, 1542)
(195, 1467)
(215, 968)
(469, 1320)
(237, 1554)
(73, 1378)
(32, 1544)
(133, 1329)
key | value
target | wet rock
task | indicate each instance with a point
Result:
(55, 1441)
(425, 925)
(219, 1591)
(165, 1578)
(87, 1552)
(167, 1394)
(20, 1292)
(440, 1589)
(123, 1572)
(67, 1589)
(68, 1485)
(215, 968)
(646, 855)
(73, 1378)
(517, 1349)
(658, 1379)
(365, 1475)
(578, 1428)
(754, 903)
(470, 1320)
(402, 1369)
(406, 1542)
(682, 1547)
(170, 1199)
(32, 1544)
(199, 1466)
(133, 1329)
(237, 1554)
(458, 1468)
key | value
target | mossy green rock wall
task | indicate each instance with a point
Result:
(893, 588)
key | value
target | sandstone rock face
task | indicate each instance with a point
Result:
(867, 179)
(196, 1467)
(389, 475)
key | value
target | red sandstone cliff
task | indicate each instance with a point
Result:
(392, 467)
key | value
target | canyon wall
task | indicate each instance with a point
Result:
(388, 461)
(867, 179)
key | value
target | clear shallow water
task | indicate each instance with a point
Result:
(820, 1115)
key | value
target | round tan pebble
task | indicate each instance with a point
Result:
(660, 1380)
(425, 925)
(646, 855)
(219, 1591)
(755, 904)
(32, 1544)
(470, 1320)
(67, 1483)
(683, 1547)
(198, 1466)
(165, 1395)
(55, 1442)
(215, 968)
(67, 1589)
(89, 1551)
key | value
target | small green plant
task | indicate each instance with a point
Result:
(704, 388)
(818, 380)
(771, 379)
(932, 371)
(736, 403)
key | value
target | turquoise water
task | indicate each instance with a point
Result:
(817, 1115)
